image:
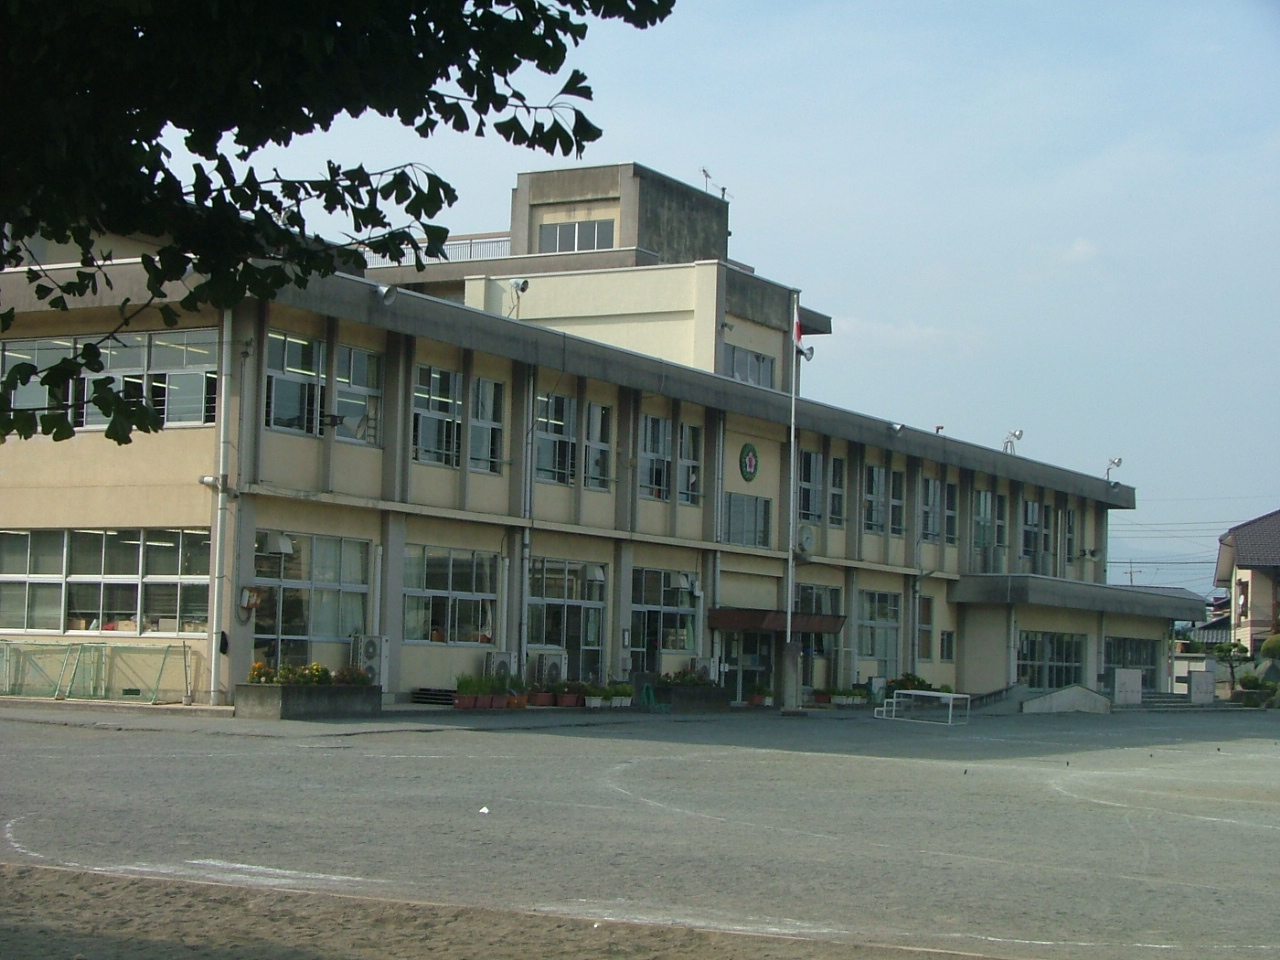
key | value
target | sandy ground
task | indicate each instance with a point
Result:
(57, 914)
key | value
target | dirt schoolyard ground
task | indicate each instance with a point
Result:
(165, 836)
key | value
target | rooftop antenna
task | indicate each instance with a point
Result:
(706, 180)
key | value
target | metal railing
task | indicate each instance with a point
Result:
(477, 248)
(95, 671)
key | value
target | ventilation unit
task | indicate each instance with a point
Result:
(500, 663)
(706, 668)
(552, 668)
(369, 653)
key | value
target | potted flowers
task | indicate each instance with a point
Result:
(306, 692)
(620, 695)
(594, 696)
(468, 686)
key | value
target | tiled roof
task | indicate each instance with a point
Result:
(1257, 541)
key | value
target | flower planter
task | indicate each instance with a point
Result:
(568, 700)
(620, 702)
(464, 701)
(518, 702)
(839, 701)
(542, 699)
(593, 703)
(484, 701)
(755, 699)
(287, 701)
(822, 697)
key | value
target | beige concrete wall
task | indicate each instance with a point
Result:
(357, 469)
(982, 650)
(289, 461)
(437, 665)
(93, 482)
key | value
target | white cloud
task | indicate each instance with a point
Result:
(1082, 251)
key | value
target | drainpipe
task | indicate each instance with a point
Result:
(220, 524)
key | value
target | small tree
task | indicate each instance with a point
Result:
(1232, 654)
(1270, 648)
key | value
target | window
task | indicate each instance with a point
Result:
(175, 371)
(449, 595)
(295, 369)
(1133, 653)
(1002, 513)
(555, 430)
(599, 446)
(924, 629)
(1070, 520)
(748, 366)
(1047, 661)
(837, 492)
(873, 500)
(1030, 527)
(748, 519)
(663, 612)
(655, 458)
(125, 581)
(811, 598)
(41, 354)
(312, 589)
(359, 396)
(879, 623)
(486, 426)
(930, 509)
(809, 486)
(690, 468)
(897, 503)
(947, 646)
(951, 516)
(566, 610)
(437, 416)
(581, 235)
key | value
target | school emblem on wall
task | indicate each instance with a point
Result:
(748, 462)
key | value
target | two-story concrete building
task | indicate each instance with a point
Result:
(568, 446)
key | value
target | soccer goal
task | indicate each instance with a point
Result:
(925, 706)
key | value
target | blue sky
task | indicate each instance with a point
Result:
(1058, 217)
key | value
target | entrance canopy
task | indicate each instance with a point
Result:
(736, 618)
(1171, 603)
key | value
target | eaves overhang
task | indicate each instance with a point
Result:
(1038, 591)
(357, 299)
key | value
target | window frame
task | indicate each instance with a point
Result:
(752, 527)
(555, 439)
(437, 413)
(655, 457)
(689, 466)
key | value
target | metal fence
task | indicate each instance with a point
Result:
(479, 248)
(95, 671)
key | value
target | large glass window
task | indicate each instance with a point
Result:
(566, 610)
(450, 595)
(1047, 661)
(174, 370)
(486, 426)
(930, 510)
(359, 395)
(924, 629)
(124, 581)
(555, 437)
(655, 458)
(311, 589)
(599, 446)
(879, 628)
(690, 480)
(873, 499)
(437, 416)
(748, 366)
(295, 372)
(837, 492)
(809, 493)
(580, 235)
(897, 503)
(813, 598)
(663, 614)
(951, 502)
(1132, 653)
(748, 519)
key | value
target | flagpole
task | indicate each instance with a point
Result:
(790, 698)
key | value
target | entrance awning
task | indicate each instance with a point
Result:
(772, 621)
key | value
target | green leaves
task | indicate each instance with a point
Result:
(83, 159)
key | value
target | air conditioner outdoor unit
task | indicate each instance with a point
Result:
(500, 663)
(369, 653)
(707, 668)
(552, 668)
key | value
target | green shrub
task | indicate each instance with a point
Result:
(1250, 700)
(469, 685)
(1249, 681)
(1270, 648)
(352, 677)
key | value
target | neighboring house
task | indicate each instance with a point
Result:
(570, 450)
(1249, 567)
